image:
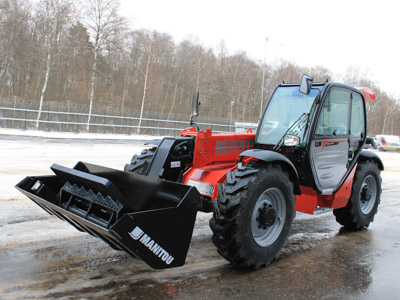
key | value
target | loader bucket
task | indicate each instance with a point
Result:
(151, 219)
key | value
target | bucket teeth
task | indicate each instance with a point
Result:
(89, 195)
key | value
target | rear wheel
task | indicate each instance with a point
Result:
(253, 215)
(365, 198)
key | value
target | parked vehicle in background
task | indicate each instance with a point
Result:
(388, 146)
(388, 143)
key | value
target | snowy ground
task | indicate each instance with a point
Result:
(70, 135)
(25, 153)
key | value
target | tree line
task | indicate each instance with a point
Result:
(86, 52)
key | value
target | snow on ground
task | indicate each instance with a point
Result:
(31, 153)
(71, 135)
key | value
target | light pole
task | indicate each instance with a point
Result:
(262, 82)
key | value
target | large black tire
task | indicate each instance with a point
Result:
(364, 200)
(140, 163)
(253, 215)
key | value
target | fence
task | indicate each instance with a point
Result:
(71, 117)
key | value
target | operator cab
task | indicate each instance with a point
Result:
(319, 127)
(285, 108)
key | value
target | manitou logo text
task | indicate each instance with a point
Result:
(138, 234)
(232, 147)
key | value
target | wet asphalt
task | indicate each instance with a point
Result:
(342, 265)
(320, 261)
(350, 265)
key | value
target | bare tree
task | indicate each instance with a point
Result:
(46, 55)
(54, 16)
(150, 60)
(319, 73)
(103, 23)
(145, 72)
(75, 62)
(15, 32)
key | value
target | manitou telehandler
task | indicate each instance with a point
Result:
(306, 155)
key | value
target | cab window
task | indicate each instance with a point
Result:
(357, 117)
(334, 117)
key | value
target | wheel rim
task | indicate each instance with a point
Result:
(268, 217)
(368, 194)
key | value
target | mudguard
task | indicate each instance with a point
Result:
(365, 155)
(271, 156)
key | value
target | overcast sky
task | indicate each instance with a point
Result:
(335, 34)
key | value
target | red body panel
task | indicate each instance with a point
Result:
(218, 147)
(213, 174)
(217, 154)
(309, 200)
(214, 155)
(369, 94)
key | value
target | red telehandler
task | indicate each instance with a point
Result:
(306, 155)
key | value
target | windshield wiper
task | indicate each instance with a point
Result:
(294, 129)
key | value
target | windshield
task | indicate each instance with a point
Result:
(285, 107)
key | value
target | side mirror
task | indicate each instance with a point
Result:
(369, 140)
(306, 84)
(195, 104)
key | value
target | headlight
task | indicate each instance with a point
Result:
(202, 187)
(291, 140)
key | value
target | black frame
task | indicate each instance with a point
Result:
(319, 109)
(300, 156)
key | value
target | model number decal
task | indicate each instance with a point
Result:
(332, 143)
(176, 164)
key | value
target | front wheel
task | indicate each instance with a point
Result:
(253, 215)
(365, 198)
(141, 163)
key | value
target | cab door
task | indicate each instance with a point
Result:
(330, 142)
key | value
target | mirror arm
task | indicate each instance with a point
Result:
(194, 124)
(195, 110)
